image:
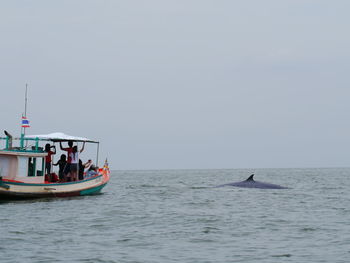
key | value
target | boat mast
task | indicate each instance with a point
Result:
(25, 107)
(23, 129)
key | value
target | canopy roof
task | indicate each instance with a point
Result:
(59, 137)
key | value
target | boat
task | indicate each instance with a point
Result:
(22, 169)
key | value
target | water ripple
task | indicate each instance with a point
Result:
(177, 216)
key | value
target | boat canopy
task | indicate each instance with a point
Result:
(59, 137)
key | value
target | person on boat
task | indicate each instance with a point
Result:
(62, 162)
(48, 158)
(81, 170)
(74, 162)
(87, 165)
(92, 171)
(69, 150)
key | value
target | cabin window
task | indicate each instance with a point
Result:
(31, 166)
(35, 166)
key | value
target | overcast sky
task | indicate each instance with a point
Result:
(183, 84)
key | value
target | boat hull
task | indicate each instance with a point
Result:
(18, 190)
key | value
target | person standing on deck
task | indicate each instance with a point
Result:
(74, 166)
(69, 150)
(48, 159)
(62, 162)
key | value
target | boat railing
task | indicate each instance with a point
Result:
(23, 144)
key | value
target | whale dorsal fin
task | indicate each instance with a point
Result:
(250, 178)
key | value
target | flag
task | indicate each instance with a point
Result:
(25, 122)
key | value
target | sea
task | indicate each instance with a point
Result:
(180, 216)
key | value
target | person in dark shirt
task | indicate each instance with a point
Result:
(81, 170)
(62, 162)
(69, 150)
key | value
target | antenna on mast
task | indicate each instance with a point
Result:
(25, 101)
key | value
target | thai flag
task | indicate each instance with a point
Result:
(25, 122)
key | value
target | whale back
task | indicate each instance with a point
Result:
(251, 183)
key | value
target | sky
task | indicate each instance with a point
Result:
(192, 84)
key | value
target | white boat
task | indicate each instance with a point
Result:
(22, 169)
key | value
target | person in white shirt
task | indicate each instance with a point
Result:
(74, 157)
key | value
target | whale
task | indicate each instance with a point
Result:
(251, 183)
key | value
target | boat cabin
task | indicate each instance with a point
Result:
(22, 166)
(26, 162)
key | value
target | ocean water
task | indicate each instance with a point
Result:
(178, 216)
